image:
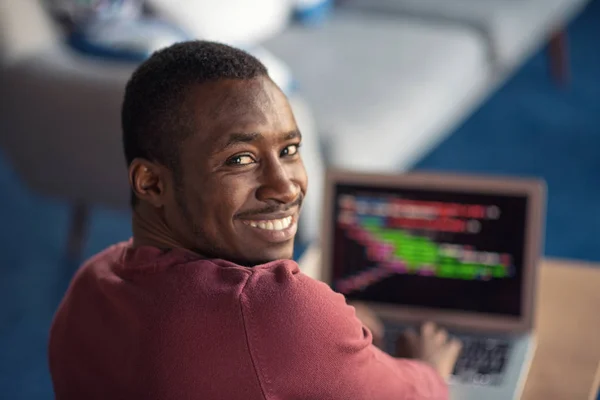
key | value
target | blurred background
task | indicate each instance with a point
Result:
(496, 87)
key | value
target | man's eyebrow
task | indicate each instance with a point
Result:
(249, 137)
(295, 134)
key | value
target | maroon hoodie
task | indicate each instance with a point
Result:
(150, 324)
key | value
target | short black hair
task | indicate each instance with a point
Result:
(153, 116)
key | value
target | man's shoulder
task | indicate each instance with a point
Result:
(283, 280)
(127, 261)
(279, 292)
(111, 254)
(103, 261)
(283, 275)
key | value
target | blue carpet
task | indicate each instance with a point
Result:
(528, 128)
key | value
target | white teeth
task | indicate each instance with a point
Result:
(271, 225)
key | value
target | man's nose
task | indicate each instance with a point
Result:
(277, 185)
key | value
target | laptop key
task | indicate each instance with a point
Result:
(482, 379)
(485, 365)
(497, 365)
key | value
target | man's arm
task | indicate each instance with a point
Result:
(306, 342)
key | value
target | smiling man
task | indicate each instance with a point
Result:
(219, 172)
(204, 301)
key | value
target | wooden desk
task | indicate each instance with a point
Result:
(566, 365)
(568, 331)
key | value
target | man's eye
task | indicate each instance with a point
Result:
(290, 150)
(242, 159)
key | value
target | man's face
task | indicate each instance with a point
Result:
(242, 179)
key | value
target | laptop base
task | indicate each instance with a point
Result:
(475, 386)
(513, 379)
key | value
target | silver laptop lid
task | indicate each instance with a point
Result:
(460, 250)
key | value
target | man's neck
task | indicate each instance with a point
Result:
(150, 229)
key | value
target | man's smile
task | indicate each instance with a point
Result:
(271, 224)
(274, 228)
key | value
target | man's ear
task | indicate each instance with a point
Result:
(147, 180)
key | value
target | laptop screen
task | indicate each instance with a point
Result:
(429, 248)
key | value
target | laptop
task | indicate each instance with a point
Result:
(462, 251)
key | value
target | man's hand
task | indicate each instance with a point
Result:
(431, 346)
(371, 321)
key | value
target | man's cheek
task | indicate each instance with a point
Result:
(225, 207)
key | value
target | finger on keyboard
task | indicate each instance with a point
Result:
(428, 329)
(441, 336)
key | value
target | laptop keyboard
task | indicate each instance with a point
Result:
(482, 360)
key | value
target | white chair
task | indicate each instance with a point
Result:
(385, 89)
(513, 29)
(389, 79)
